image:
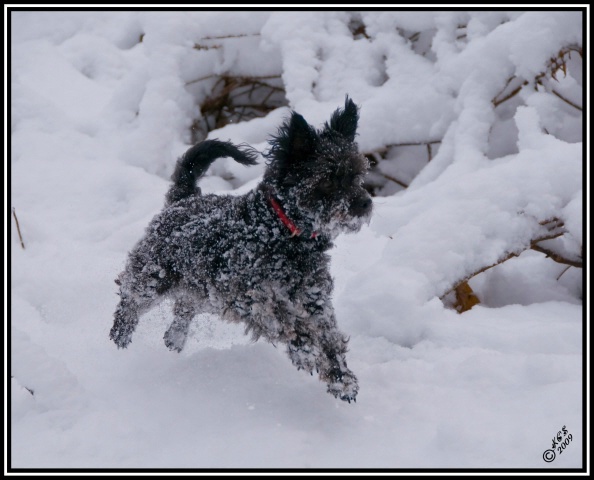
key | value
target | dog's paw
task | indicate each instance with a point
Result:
(345, 386)
(175, 340)
(121, 339)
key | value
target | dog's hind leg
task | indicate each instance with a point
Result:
(184, 310)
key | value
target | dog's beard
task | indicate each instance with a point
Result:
(352, 224)
(340, 221)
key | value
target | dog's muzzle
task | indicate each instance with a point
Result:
(361, 206)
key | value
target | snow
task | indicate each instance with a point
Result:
(102, 104)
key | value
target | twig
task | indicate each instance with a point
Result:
(269, 95)
(403, 144)
(253, 86)
(555, 92)
(564, 270)
(360, 30)
(557, 63)
(197, 46)
(556, 257)
(207, 77)
(412, 144)
(376, 156)
(509, 80)
(394, 179)
(231, 36)
(252, 106)
(26, 388)
(512, 94)
(18, 228)
(250, 79)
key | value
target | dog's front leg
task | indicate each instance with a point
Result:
(319, 345)
(125, 321)
(332, 366)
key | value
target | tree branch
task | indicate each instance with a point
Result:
(554, 229)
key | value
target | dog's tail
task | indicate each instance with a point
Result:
(192, 165)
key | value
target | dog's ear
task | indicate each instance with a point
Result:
(301, 137)
(345, 121)
(295, 141)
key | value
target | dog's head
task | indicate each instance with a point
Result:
(318, 175)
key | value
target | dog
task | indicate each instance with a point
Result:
(259, 258)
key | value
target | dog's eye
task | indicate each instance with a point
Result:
(326, 185)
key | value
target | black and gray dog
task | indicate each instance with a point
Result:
(259, 258)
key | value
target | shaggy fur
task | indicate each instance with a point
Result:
(259, 258)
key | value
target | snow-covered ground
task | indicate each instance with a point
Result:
(102, 104)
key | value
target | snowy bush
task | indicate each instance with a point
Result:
(472, 122)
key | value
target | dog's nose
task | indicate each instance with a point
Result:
(361, 206)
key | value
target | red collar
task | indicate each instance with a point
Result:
(295, 231)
